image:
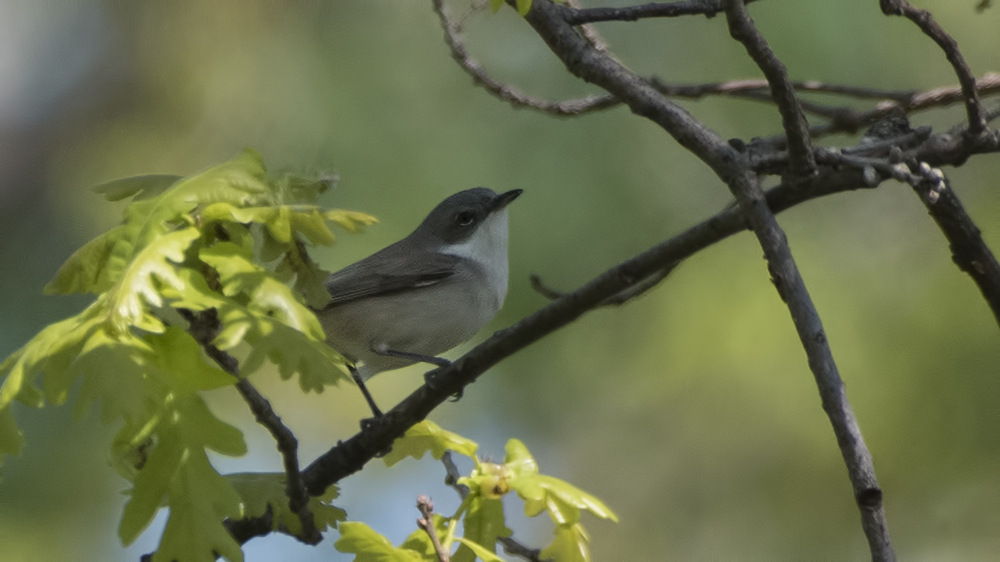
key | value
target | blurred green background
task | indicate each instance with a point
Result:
(691, 412)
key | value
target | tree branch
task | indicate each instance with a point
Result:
(742, 28)
(708, 8)
(204, 326)
(505, 92)
(792, 289)
(926, 23)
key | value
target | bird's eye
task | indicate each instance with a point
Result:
(465, 218)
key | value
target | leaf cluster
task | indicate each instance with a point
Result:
(230, 240)
(481, 511)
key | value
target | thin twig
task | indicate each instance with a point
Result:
(926, 23)
(505, 92)
(736, 87)
(708, 8)
(426, 522)
(204, 326)
(615, 300)
(742, 28)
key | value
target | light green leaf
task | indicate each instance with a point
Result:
(118, 371)
(180, 358)
(480, 552)
(570, 545)
(523, 7)
(317, 364)
(86, 269)
(178, 474)
(199, 500)
(351, 221)
(265, 295)
(483, 523)
(495, 5)
(262, 489)
(201, 428)
(145, 186)
(100, 264)
(519, 459)
(137, 286)
(52, 351)
(368, 546)
(428, 436)
(150, 488)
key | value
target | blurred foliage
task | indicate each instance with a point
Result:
(691, 410)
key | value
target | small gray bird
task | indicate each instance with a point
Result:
(425, 294)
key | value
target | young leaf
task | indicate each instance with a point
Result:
(428, 436)
(483, 523)
(52, 350)
(136, 286)
(570, 545)
(523, 7)
(260, 490)
(480, 552)
(180, 358)
(351, 221)
(143, 187)
(199, 500)
(369, 546)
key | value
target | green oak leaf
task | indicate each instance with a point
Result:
(570, 545)
(484, 524)
(369, 546)
(262, 489)
(428, 436)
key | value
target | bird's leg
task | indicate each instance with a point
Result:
(364, 391)
(428, 378)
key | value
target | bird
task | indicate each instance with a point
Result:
(425, 294)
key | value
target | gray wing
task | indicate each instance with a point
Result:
(372, 276)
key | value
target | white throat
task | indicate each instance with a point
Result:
(487, 247)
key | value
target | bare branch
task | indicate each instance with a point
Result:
(708, 8)
(505, 92)
(926, 23)
(742, 28)
(792, 289)
(615, 300)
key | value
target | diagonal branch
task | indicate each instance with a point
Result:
(926, 23)
(204, 326)
(742, 28)
(792, 289)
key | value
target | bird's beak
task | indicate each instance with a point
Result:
(505, 199)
